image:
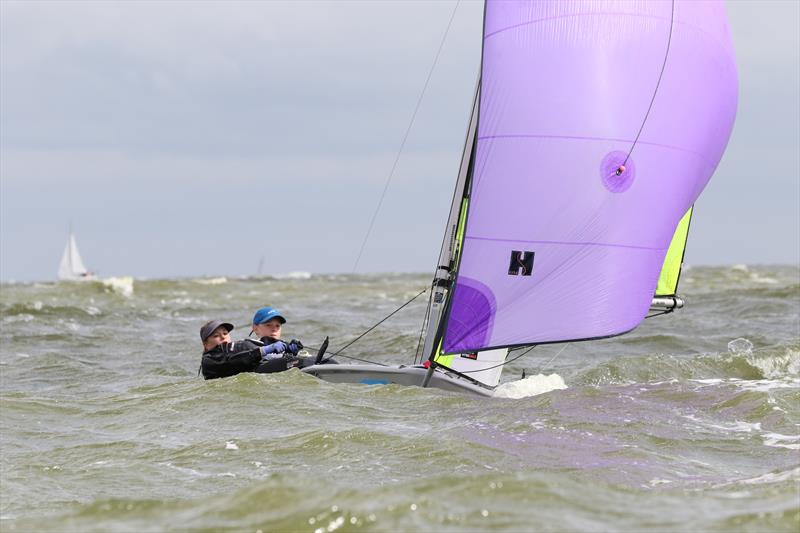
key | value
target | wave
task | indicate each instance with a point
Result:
(294, 275)
(741, 362)
(27, 312)
(494, 500)
(211, 281)
(121, 285)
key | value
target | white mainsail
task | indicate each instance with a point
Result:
(71, 266)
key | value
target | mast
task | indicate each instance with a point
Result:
(450, 244)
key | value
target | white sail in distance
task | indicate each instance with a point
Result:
(71, 266)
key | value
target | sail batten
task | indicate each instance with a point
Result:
(576, 243)
(591, 147)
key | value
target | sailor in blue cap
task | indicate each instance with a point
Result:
(267, 323)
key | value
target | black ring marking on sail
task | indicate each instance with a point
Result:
(653, 99)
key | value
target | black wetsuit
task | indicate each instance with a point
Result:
(242, 356)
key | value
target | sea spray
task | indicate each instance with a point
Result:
(530, 386)
(122, 285)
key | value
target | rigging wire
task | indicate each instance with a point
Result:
(424, 322)
(405, 137)
(658, 83)
(384, 319)
(353, 358)
(541, 368)
(316, 349)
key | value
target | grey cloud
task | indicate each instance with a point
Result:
(250, 78)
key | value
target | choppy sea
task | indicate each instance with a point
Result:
(689, 423)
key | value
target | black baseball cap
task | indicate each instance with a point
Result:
(211, 326)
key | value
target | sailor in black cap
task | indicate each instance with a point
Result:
(215, 332)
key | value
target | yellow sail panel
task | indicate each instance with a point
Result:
(442, 359)
(447, 360)
(671, 271)
(462, 222)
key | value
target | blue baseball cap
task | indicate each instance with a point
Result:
(267, 313)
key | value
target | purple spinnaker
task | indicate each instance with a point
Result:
(566, 88)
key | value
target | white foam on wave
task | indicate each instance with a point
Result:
(184, 470)
(10, 319)
(772, 366)
(121, 285)
(530, 386)
(773, 477)
(295, 275)
(776, 366)
(709, 381)
(756, 385)
(178, 301)
(211, 281)
(776, 440)
(755, 278)
(738, 426)
(766, 385)
(769, 438)
(764, 479)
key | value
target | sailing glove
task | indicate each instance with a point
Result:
(275, 347)
(294, 347)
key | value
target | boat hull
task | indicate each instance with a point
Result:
(396, 375)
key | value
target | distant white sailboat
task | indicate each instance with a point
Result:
(71, 266)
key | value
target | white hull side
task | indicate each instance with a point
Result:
(397, 375)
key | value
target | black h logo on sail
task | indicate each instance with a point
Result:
(521, 263)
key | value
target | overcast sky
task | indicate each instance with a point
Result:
(195, 138)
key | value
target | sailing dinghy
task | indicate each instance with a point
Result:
(595, 126)
(71, 267)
